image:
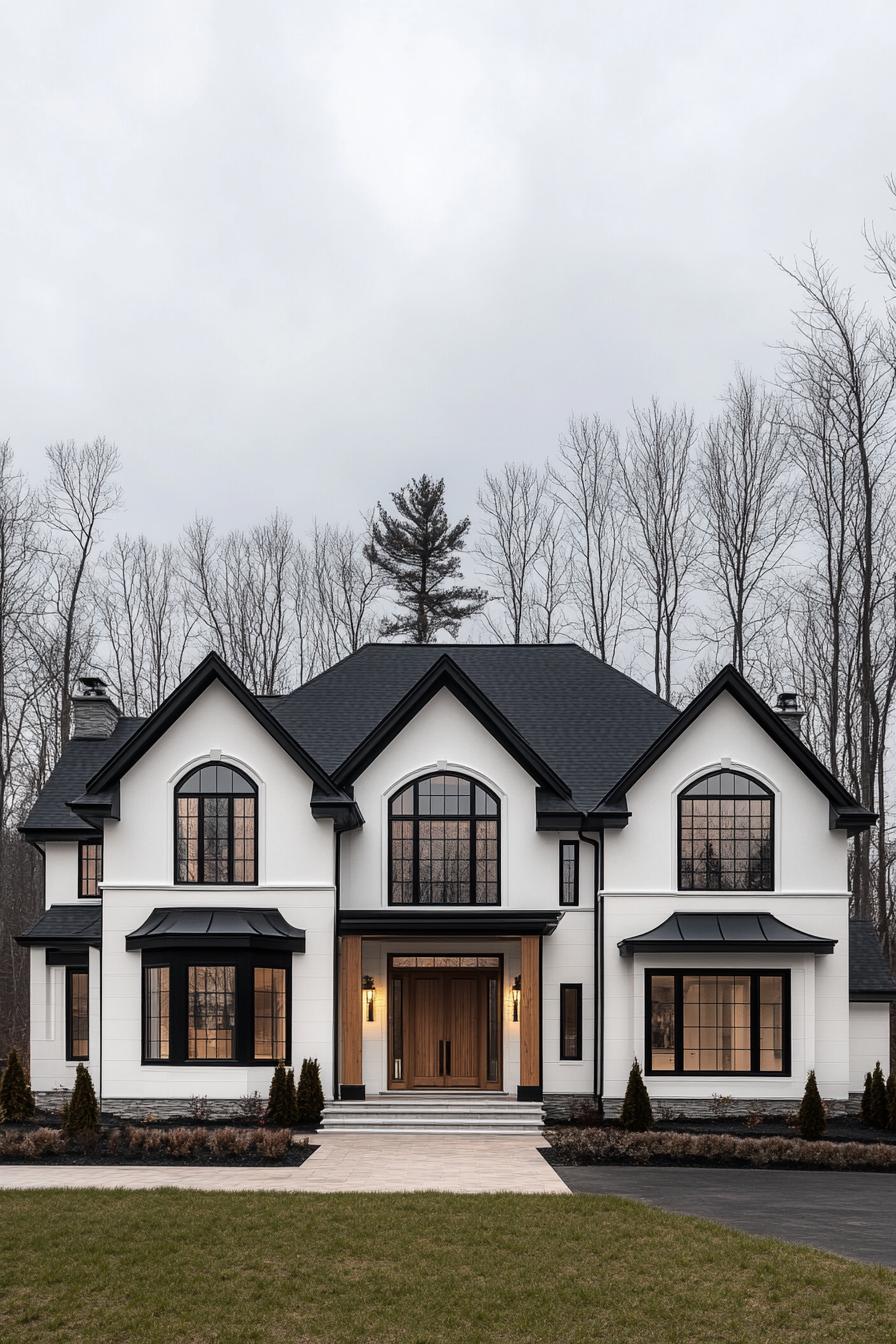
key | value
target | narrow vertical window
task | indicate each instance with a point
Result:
(569, 872)
(270, 1012)
(90, 868)
(570, 1021)
(211, 1012)
(396, 1030)
(156, 1012)
(77, 1013)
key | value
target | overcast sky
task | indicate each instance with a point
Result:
(292, 254)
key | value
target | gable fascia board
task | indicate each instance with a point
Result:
(846, 813)
(212, 668)
(445, 674)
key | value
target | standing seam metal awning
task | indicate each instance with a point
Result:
(724, 931)
(193, 926)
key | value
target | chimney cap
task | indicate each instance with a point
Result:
(788, 702)
(93, 686)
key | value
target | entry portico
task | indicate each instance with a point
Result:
(432, 1000)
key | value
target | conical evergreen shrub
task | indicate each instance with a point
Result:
(81, 1114)
(309, 1094)
(811, 1113)
(878, 1107)
(279, 1107)
(16, 1098)
(637, 1112)
(292, 1096)
(866, 1100)
(891, 1101)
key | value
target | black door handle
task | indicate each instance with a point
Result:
(441, 1058)
(448, 1058)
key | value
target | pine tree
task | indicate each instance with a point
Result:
(309, 1094)
(417, 553)
(866, 1100)
(637, 1112)
(878, 1108)
(279, 1108)
(81, 1114)
(16, 1098)
(891, 1101)
(811, 1113)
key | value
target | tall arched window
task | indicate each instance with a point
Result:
(444, 843)
(726, 834)
(215, 830)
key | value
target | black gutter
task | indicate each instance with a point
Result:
(336, 968)
(598, 848)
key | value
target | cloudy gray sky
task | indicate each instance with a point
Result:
(292, 253)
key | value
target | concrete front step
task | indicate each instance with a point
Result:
(434, 1113)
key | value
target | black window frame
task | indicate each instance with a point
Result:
(574, 846)
(245, 963)
(251, 791)
(767, 794)
(416, 817)
(82, 846)
(71, 971)
(678, 992)
(577, 990)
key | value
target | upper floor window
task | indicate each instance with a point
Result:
(569, 872)
(726, 834)
(444, 843)
(90, 867)
(215, 831)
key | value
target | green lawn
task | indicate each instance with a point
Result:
(177, 1266)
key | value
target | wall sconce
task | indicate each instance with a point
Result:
(515, 995)
(368, 988)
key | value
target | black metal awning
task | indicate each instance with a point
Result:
(459, 923)
(695, 931)
(66, 926)
(194, 926)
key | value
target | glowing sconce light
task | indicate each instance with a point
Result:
(515, 995)
(368, 987)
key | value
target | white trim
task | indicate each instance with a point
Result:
(198, 888)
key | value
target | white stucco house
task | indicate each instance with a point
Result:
(446, 871)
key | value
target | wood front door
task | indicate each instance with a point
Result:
(445, 1028)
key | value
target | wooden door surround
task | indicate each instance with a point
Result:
(445, 1027)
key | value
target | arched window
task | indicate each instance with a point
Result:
(215, 831)
(726, 834)
(444, 843)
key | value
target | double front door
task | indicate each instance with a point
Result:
(445, 1028)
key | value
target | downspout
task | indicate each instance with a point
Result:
(598, 848)
(337, 835)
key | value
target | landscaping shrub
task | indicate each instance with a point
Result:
(251, 1108)
(811, 1113)
(200, 1111)
(42, 1143)
(293, 1097)
(877, 1111)
(230, 1142)
(891, 1101)
(274, 1144)
(16, 1098)
(866, 1100)
(637, 1113)
(280, 1107)
(309, 1094)
(586, 1147)
(81, 1114)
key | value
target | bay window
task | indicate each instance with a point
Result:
(718, 1022)
(226, 1008)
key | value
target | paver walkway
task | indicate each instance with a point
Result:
(848, 1212)
(460, 1163)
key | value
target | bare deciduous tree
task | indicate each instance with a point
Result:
(585, 481)
(519, 516)
(655, 474)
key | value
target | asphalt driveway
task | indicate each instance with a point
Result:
(849, 1213)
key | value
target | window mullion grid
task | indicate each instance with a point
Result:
(230, 839)
(415, 846)
(200, 831)
(473, 841)
(754, 1022)
(678, 982)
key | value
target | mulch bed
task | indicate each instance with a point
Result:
(296, 1154)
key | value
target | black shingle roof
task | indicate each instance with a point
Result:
(585, 719)
(81, 758)
(66, 924)
(869, 975)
